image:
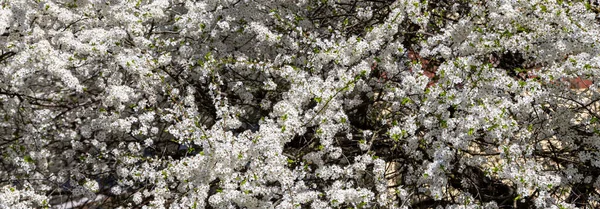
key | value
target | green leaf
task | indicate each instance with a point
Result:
(363, 73)
(28, 159)
(443, 94)
(318, 99)
(395, 137)
(45, 204)
(588, 6)
(405, 100)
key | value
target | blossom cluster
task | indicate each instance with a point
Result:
(299, 104)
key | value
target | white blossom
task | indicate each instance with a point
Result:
(295, 104)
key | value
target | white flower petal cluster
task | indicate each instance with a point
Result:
(296, 104)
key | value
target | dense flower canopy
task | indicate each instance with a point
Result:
(299, 104)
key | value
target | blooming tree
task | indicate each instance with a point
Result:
(299, 104)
